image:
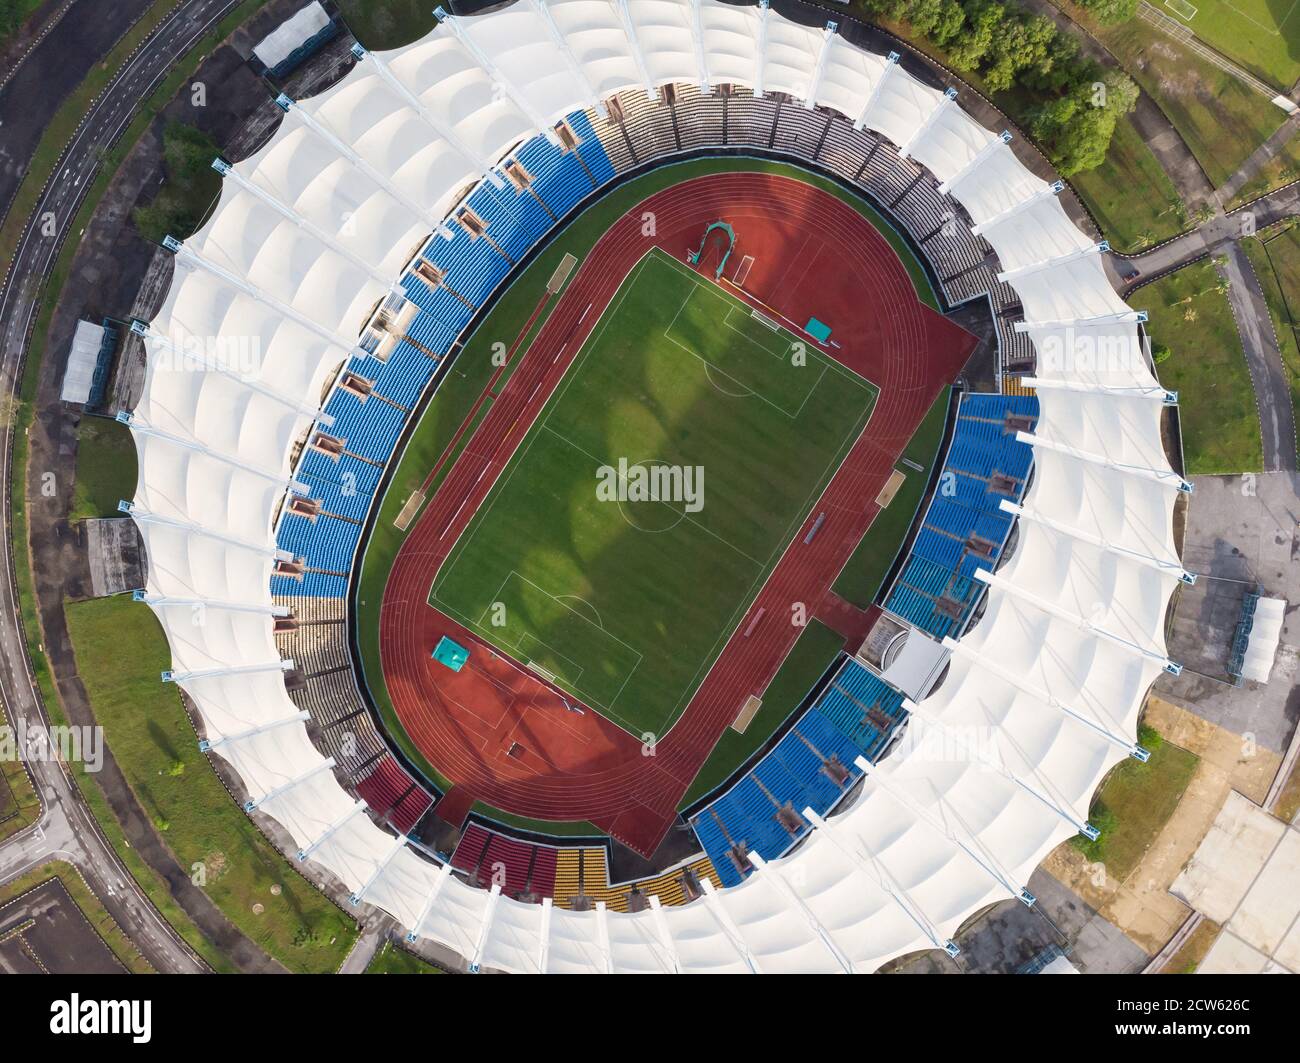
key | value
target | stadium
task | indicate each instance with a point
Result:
(606, 226)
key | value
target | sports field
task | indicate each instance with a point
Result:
(1261, 35)
(626, 601)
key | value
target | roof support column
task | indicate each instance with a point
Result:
(544, 936)
(1058, 260)
(1122, 391)
(231, 739)
(602, 936)
(444, 874)
(1056, 805)
(949, 94)
(326, 134)
(1018, 682)
(1074, 619)
(223, 366)
(170, 676)
(333, 828)
(326, 765)
(876, 89)
(872, 869)
(517, 97)
(443, 129)
(398, 845)
(543, 11)
(629, 31)
(193, 259)
(278, 478)
(772, 873)
(485, 928)
(212, 603)
(974, 162)
(143, 516)
(1166, 568)
(289, 214)
(1054, 189)
(697, 39)
(972, 846)
(666, 941)
(1166, 478)
(728, 926)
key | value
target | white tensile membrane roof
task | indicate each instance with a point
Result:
(309, 235)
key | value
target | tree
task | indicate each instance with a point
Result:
(1060, 67)
(890, 9)
(984, 19)
(1075, 129)
(189, 190)
(1110, 12)
(939, 20)
(1022, 43)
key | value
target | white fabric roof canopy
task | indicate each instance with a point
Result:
(1052, 678)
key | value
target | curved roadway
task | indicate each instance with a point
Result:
(66, 829)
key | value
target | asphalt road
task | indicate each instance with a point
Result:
(35, 87)
(66, 828)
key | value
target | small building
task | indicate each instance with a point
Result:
(294, 41)
(89, 361)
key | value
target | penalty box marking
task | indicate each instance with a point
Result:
(493, 634)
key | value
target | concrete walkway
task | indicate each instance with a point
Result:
(1259, 158)
(371, 939)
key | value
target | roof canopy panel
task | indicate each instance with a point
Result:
(270, 297)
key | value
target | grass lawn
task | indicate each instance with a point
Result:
(1221, 119)
(1281, 170)
(1194, 950)
(813, 653)
(1190, 314)
(471, 371)
(1288, 801)
(628, 601)
(96, 914)
(19, 804)
(1133, 199)
(1263, 36)
(392, 959)
(384, 24)
(150, 734)
(106, 468)
(1135, 803)
(1275, 256)
(860, 578)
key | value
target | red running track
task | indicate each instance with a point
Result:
(498, 731)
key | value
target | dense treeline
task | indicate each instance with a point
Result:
(13, 13)
(190, 188)
(1069, 101)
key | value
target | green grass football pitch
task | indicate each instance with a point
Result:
(627, 603)
(1261, 35)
